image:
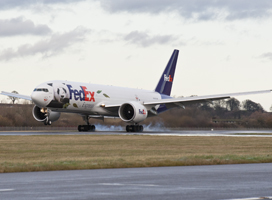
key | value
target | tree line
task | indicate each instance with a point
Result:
(222, 113)
(229, 113)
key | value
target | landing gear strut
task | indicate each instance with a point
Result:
(87, 127)
(134, 128)
(47, 122)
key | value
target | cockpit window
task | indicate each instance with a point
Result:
(41, 89)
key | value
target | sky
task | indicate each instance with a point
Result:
(224, 46)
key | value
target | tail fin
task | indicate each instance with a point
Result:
(166, 81)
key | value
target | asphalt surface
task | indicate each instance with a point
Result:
(157, 131)
(250, 181)
(190, 182)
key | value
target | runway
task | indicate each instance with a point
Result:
(226, 182)
(159, 132)
(190, 182)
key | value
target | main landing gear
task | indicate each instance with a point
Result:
(87, 127)
(134, 128)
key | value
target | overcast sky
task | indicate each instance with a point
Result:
(225, 46)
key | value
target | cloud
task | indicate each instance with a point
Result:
(266, 56)
(145, 40)
(20, 26)
(189, 9)
(194, 9)
(8, 4)
(49, 47)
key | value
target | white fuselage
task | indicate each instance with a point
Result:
(89, 99)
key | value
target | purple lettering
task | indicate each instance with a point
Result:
(82, 95)
(70, 90)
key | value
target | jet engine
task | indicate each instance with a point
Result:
(132, 112)
(45, 115)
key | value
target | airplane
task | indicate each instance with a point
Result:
(101, 101)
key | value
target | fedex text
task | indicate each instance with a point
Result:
(82, 95)
(169, 78)
(143, 112)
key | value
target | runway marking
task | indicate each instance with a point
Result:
(253, 198)
(6, 190)
(205, 134)
(125, 184)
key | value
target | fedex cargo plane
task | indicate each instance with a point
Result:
(99, 101)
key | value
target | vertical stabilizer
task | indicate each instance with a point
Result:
(166, 81)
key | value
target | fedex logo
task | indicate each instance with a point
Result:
(169, 79)
(82, 95)
(143, 112)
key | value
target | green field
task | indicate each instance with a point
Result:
(67, 152)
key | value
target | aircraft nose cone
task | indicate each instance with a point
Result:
(38, 99)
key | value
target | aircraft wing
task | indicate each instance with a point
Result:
(199, 99)
(20, 96)
(181, 102)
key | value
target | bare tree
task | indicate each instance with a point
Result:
(207, 105)
(219, 104)
(13, 99)
(233, 104)
(252, 106)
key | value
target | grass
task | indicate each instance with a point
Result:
(68, 152)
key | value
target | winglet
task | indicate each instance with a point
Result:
(166, 81)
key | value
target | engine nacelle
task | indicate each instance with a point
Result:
(44, 114)
(132, 112)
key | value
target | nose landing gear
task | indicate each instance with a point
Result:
(134, 128)
(47, 122)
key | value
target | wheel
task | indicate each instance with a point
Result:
(136, 128)
(86, 128)
(92, 128)
(82, 128)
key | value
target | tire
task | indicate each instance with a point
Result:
(92, 128)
